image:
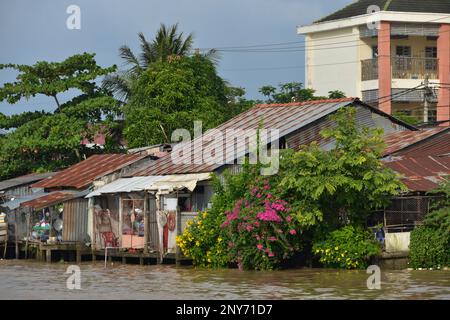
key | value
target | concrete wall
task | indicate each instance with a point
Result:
(331, 65)
(397, 242)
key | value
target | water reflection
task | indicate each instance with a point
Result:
(32, 280)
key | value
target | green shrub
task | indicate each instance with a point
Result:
(429, 248)
(430, 243)
(202, 241)
(347, 248)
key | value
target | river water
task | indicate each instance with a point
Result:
(34, 280)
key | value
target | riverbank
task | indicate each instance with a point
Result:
(33, 280)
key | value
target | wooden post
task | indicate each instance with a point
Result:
(120, 220)
(141, 260)
(78, 253)
(94, 228)
(16, 236)
(48, 253)
(146, 226)
(178, 228)
(6, 247)
(28, 234)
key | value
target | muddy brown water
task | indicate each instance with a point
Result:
(33, 280)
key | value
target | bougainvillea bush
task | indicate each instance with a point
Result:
(261, 230)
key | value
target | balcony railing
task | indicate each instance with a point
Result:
(403, 68)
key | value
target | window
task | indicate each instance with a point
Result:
(431, 58)
(374, 52)
(431, 52)
(403, 61)
(403, 51)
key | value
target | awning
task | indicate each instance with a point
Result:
(164, 184)
(124, 185)
(52, 198)
(179, 181)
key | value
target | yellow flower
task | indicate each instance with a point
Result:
(197, 243)
(336, 248)
(205, 214)
(219, 239)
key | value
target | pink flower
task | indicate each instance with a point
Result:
(293, 232)
(269, 196)
(257, 224)
(249, 228)
(272, 239)
(259, 195)
(268, 215)
(288, 218)
(266, 187)
(271, 254)
(258, 237)
(260, 246)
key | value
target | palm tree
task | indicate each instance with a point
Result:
(168, 42)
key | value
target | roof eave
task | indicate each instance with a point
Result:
(392, 16)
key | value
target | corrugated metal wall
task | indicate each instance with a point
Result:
(75, 217)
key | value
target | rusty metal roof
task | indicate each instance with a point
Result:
(421, 173)
(29, 178)
(287, 118)
(48, 200)
(85, 172)
(399, 141)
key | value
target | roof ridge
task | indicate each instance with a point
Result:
(302, 103)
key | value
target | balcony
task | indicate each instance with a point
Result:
(403, 68)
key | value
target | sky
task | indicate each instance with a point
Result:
(32, 31)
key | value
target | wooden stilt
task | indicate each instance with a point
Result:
(78, 253)
(6, 247)
(48, 253)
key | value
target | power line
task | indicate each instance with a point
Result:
(273, 48)
(310, 40)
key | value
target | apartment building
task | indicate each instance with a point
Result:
(393, 54)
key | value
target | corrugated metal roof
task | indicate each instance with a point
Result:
(405, 139)
(134, 184)
(287, 118)
(422, 173)
(48, 199)
(29, 178)
(14, 204)
(84, 173)
(53, 198)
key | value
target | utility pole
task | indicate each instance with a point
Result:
(426, 95)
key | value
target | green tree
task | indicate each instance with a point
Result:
(168, 42)
(48, 141)
(53, 78)
(336, 94)
(171, 95)
(268, 92)
(343, 185)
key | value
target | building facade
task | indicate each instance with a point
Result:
(385, 51)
